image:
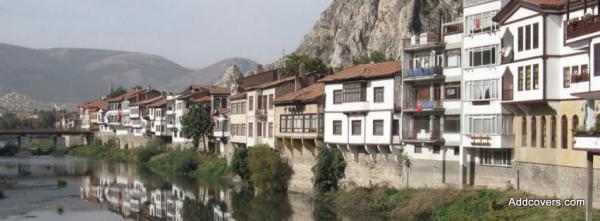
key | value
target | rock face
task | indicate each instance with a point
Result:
(351, 28)
(231, 74)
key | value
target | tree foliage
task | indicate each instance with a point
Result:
(45, 119)
(197, 124)
(328, 170)
(294, 61)
(239, 163)
(117, 92)
(375, 57)
(269, 172)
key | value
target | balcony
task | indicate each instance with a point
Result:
(489, 140)
(578, 27)
(260, 112)
(423, 73)
(429, 136)
(423, 105)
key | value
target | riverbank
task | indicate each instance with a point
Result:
(447, 204)
(158, 158)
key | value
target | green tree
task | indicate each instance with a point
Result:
(294, 61)
(375, 57)
(118, 92)
(197, 124)
(46, 119)
(328, 170)
(239, 163)
(268, 171)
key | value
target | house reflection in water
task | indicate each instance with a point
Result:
(131, 197)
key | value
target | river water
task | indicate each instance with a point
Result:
(103, 191)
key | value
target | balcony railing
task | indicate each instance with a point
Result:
(424, 72)
(422, 135)
(260, 112)
(423, 104)
(583, 77)
(581, 26)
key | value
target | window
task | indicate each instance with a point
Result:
(482, 56)
(452, 124)
(436, 149)
(575, 71)
(297, 123)
(456, 151)
(307, 122)
(270, 102)
(536, 30)
(250, 130)
(259, 129)
(520, 38)
(337, 127)
(536, 76)
(418, 148)
(453, 58)
(356, 128)
(520, 86)
(489, 124)
(250, 103)
(553, 132)
(523, 132)
(495, 157)
(527, 37)
(533, 131)
(481, 23)
(378, 127)
(395, 127)
(355, 92)
(543, 133)
(259, 102)
(566, 77)
(574, 127)
(283, 124)
(564, 130)
(452, 91)
(597, 59)
(378, 95)
(528, 78)
(337, 96)
(482, 89)
(584, 69)
(270, 130)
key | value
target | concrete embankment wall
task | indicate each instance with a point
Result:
(124, 141)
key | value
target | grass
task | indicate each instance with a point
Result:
(189, 163)
(105, 152)
(446, 204)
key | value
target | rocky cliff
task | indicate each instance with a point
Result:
(351, 28)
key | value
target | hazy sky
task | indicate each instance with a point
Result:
(193, 33)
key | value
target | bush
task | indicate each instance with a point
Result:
(268, 171)
(210, 165)
(239, 163)
(176, 162)
(151, 149)
(328, 170)
(61, 183)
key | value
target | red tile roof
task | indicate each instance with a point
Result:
(126, 95)
(148, 101)
(308, 94)
(238, 96)
(159, 102)
(366, 71)
(96, 104)
(272, 83)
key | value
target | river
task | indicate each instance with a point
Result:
(103, 191)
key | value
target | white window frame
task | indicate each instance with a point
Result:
(475, 90)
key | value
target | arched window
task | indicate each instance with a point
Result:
(533, 132)
(543, 131)
(523, 132)
(564, 125)
(553, 132)
(575, 127)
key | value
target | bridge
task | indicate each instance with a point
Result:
(60, 136)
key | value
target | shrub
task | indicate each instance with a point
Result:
(328, 170)
(210, 165)
(176, 162)
(268, 171)
(239, 163)
(61, 183)
(151, 149)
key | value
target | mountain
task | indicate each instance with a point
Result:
(69, 75)
(214, 72)
(15, 102)
(348, 29)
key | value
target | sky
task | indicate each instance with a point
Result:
(193, 33)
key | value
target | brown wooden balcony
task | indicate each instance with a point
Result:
(581, 26)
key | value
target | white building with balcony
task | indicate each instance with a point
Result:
(360, 110)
